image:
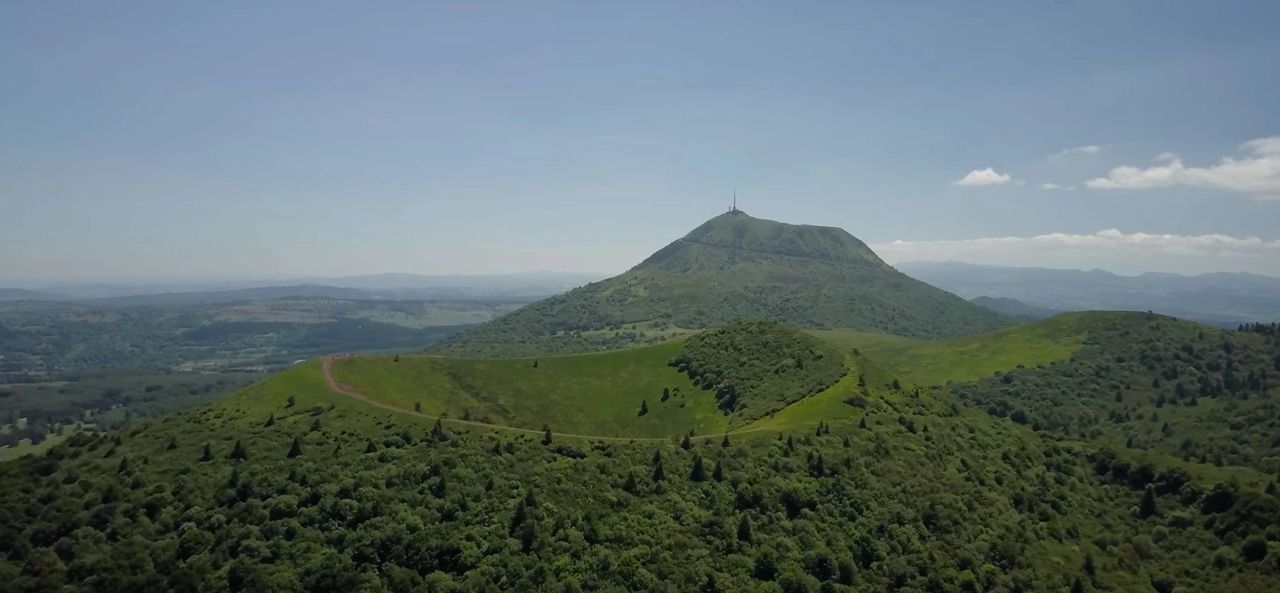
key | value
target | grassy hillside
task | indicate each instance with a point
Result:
(933, 362)
(732, 267)
(756, 368)
(600, 393)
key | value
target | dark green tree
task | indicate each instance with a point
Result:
(644, 407)
(271, 420)
(744, 530)
(207, 455)
(698, 473)
(295, 448)
(238, 453)
(546, 434)
(1147, 507)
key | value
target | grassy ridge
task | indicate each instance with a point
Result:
(933, 362)
(599, 394)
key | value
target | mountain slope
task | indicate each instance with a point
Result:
(1013, 307)
(730, 268)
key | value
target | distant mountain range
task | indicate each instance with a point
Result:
(519, 286)
(1224, 299)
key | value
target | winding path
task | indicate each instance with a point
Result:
(338, 387)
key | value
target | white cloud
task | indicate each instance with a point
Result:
(986, 176)
(1166, 157)
(1051, 186)
(1257, 173)
(1109, 249)
(1086, 149)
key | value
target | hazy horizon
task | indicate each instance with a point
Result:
(452, 138)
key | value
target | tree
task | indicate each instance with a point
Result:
(271, 420)
(666, 393)
(370, 447)
(238, 453)
(291, 401)
(1147, 507)
(862, 423)
(396, 358)
(438, 434)
(295, 448)
(208, 453)
(725, 441)
(173, 444)
(630, 485)
(535, 363)
(315, 425)
(685, 443)
(644, 407)
(718, 473)
(658, 473)
(546, 434)
(417, 407)
(744, 530)
(124, 465)
(1255, 548)
(698, 474)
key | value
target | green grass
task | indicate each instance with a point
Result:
(934, 362)
(594, 394)
(25, 447)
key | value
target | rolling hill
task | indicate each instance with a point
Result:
(869, 484)
(730, 268)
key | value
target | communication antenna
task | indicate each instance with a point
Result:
(734, 208)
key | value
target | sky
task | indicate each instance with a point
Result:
(242, 140)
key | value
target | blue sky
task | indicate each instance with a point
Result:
(149, 140)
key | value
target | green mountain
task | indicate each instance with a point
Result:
(730, 268)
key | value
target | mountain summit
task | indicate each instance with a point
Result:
(732, 267)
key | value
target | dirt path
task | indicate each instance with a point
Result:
(341, 388)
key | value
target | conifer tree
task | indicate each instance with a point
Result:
(295, 448)
(238, 453)
(1147, 507)
(271, 420)
(699, 473)
(208, 453)
(744, 530)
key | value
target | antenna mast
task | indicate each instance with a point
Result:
(734, 208)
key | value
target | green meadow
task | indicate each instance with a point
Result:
(597, 394)
(934, 362)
